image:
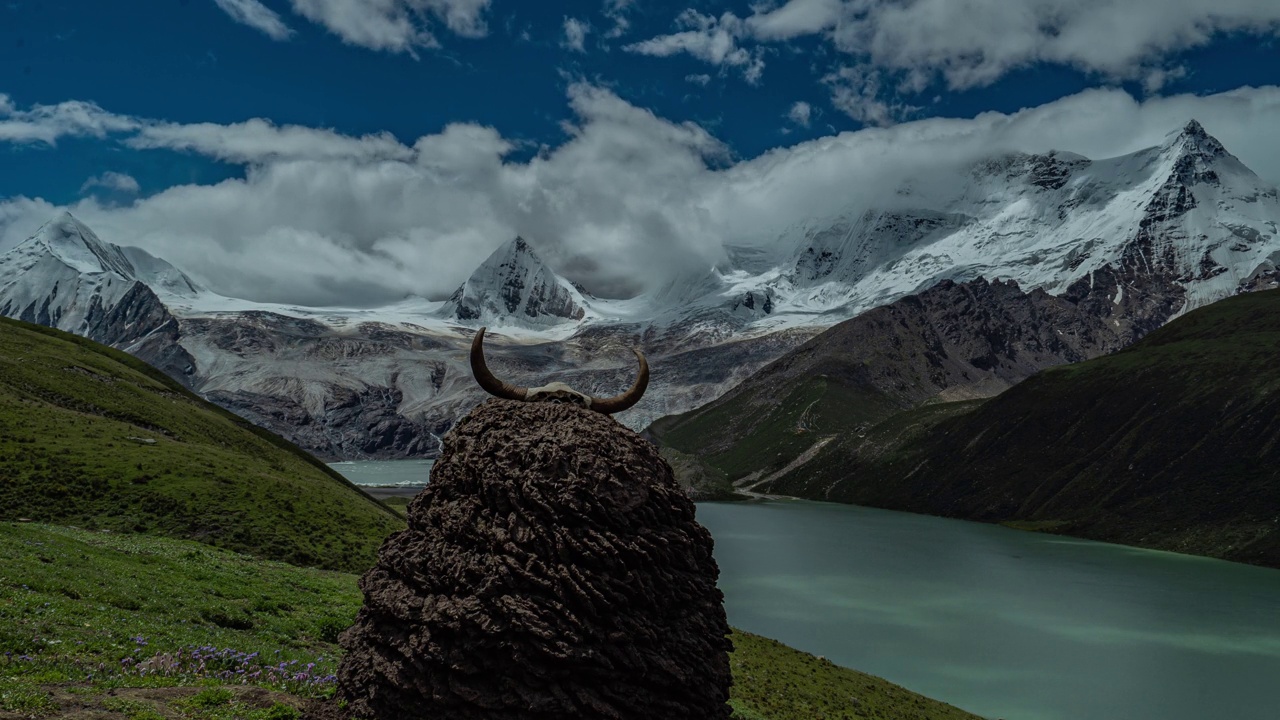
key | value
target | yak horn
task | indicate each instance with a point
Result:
(491, 384)
(608, 406)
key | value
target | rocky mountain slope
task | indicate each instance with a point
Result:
(1172, 443)
(1131, 241)
(953, 341)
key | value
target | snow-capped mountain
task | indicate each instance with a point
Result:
(66, 277)
(1186, 212)
(1134, 240)
(514, 287)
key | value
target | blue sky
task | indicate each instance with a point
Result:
(147, 117)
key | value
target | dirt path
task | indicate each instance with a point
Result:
(751, 482)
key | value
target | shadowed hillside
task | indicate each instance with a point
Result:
(1172, 443)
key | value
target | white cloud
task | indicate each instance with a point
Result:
(110, 180)
(800, 113)
(46, 123)
(977, 42)
(395, 25)
(857, 92)
(625, 200)
(796, 18)
(1157, 78)
(256, 15)
(710, 39)
(616, 10)
(700, 79)
(575, 34)
(260, 140)
(902, 47)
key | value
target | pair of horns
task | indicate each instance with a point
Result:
(506, 390)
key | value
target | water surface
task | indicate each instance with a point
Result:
(1005, 623)
(385, 473)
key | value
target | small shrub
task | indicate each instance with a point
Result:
(211, 697)
(330, 628)
(280, 711)
(229, 620)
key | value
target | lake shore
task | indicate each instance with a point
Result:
(382, 493)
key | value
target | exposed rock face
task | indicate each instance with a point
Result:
(552, 570)
(140, 324)
(354, 423)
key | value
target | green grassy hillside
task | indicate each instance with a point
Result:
(1173, 443)
(83, 634)
(92, 437)
(770, 435)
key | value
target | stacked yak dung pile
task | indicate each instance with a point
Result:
(552, 570)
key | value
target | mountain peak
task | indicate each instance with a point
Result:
(72, 242)
(514, 286)
(1194, 140)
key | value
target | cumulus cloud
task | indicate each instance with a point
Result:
(119, 182)
(44, 124)
(256, 15)
(707, 38)
(627, 199)
(395, 25)
(800, 113)
(902, 47)
(702, 79)
(975, 43)
(575, 34)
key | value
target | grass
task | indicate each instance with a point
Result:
(83, 634)
(399, 504)
(75, 603)
(773, 682)
(92, 437)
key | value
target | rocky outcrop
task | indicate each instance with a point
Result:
(141, 325)
(552, 570)
(355, 423)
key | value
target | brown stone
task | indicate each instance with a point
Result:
(552, 570)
